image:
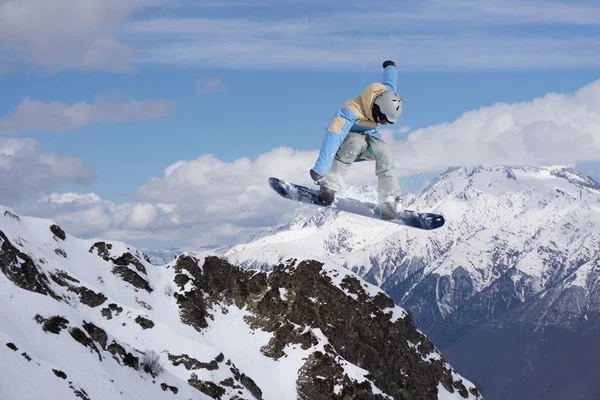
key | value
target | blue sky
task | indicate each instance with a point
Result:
(102, 97)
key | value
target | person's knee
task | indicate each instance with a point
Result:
(383, 153)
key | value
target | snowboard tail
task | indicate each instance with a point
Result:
(302, 194)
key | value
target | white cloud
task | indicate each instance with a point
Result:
(26, 171)
(115, 35)
(209, 85)
(554, 129)
(32, 115)
(199, 202)
(209, 201)
(430, 34)
(63, 34)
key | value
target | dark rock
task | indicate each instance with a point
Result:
(180, 280)
(230, 382)
(89, 297)
(358, 327)
(127, 358)
(102, 249)
(130, 276)
(192, 364)
(143, 304)
(61, 277)
(86, 296)
(247, 382)
(209, 388)
(128, 259)
(59, 373)
(82, 338)
(145, 323)
(11, 215)
(21, 269)
(26, 356)
(60, 252)
(321, 374)
(12, 346)
(106, 313)
(58, 232)
(131, 361)
(192, 307)
(115, 307)
(96, 333)
(53, 324)
(78, 392)
(166, 387)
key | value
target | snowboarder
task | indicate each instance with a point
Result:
(353, 136)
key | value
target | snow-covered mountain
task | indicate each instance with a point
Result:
(520, 247)
(165, 256)
(162, 256)
(95, 319)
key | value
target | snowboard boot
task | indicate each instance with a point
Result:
(388, 210)
(326, 195)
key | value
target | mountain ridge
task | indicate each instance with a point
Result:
(95, 319)
(518, 253)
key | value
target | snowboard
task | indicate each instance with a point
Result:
(306, 195)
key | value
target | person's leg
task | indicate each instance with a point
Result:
(388, 186)
(353, 145)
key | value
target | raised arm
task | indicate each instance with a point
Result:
(390, 75)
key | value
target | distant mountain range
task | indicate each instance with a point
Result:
(508, 289)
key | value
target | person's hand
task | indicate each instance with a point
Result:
(388, 63)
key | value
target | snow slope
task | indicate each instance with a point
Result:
(509, 287)
(78, 317)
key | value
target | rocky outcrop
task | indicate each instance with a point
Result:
(121, 265)
(22, 270)
(86, 296)
(145, 323)
(96, 333)
(331, 335)
(130, 276)
(53, 324)
(192, 364)
(166, 387)
(11, 215)
(207, 387)
(58, 232)
(237, 380)
(296, 300)
(107, 312)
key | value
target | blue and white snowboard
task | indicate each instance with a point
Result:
(306, 195)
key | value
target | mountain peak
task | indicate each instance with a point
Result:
(501, 179)
(567, 173)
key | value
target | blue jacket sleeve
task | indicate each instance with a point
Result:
(390, 77)
(334, 136)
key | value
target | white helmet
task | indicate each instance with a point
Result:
(388, 105)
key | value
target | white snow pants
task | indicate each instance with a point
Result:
(358, 146)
